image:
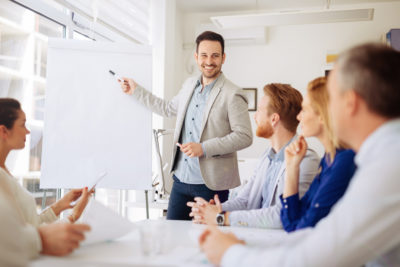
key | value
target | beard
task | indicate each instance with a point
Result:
(265, 130)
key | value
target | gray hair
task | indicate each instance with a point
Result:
(372, 71)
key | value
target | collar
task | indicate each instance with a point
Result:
(364, 154)
(280, 156)
(221, 77)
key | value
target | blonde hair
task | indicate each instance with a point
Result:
(319, 99)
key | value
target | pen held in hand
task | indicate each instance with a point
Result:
(116, 76)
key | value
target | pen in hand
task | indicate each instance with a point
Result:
(116, 76)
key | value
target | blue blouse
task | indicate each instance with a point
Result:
(326, 189)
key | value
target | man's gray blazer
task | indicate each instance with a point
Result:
(225, 128)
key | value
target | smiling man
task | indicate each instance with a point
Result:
(212, 123)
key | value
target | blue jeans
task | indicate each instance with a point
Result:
(182, 193)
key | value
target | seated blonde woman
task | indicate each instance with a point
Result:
(336, 167)
(41, 235)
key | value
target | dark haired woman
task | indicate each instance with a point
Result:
(12, 136)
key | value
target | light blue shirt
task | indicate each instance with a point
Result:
(188, 169)
(275, 165)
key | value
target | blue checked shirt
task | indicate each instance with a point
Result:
(188, 169)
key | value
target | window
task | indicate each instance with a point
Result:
(25, 27)
(79, 36)
(23, 51)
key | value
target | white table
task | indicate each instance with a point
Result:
(179, 247)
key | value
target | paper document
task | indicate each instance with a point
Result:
(101, 176)
(105, 224)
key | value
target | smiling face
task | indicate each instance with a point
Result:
(310, 122)
(209, 59)
(17, 134)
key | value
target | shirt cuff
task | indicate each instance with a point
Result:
(291, 206)
(48, 216)
(223, 206)
(235, 219)
(233, 256)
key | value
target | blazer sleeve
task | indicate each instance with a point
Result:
(249, 191)
(261, 218)
(308, 170)
(242, 198)
(241, 135)
(156, 104)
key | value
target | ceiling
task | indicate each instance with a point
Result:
(247, 5)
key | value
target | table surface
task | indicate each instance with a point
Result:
(177, 240)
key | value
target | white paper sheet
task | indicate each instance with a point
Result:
(105, 224)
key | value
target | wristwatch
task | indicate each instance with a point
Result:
(220, 218)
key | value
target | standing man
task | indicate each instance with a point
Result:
(364, 226)
(212, 124)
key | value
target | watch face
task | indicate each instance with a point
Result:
(220, 218)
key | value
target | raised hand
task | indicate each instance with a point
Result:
(295, 152)
(80, 205)
(127, 85)
(66, 203)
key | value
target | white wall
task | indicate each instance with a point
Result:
(166, 39)
(175, 75)
(293, 54)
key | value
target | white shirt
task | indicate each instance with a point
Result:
(25, 205)
(363, 227)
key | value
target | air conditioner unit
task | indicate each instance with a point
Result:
(253, 35)
(290, 18)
